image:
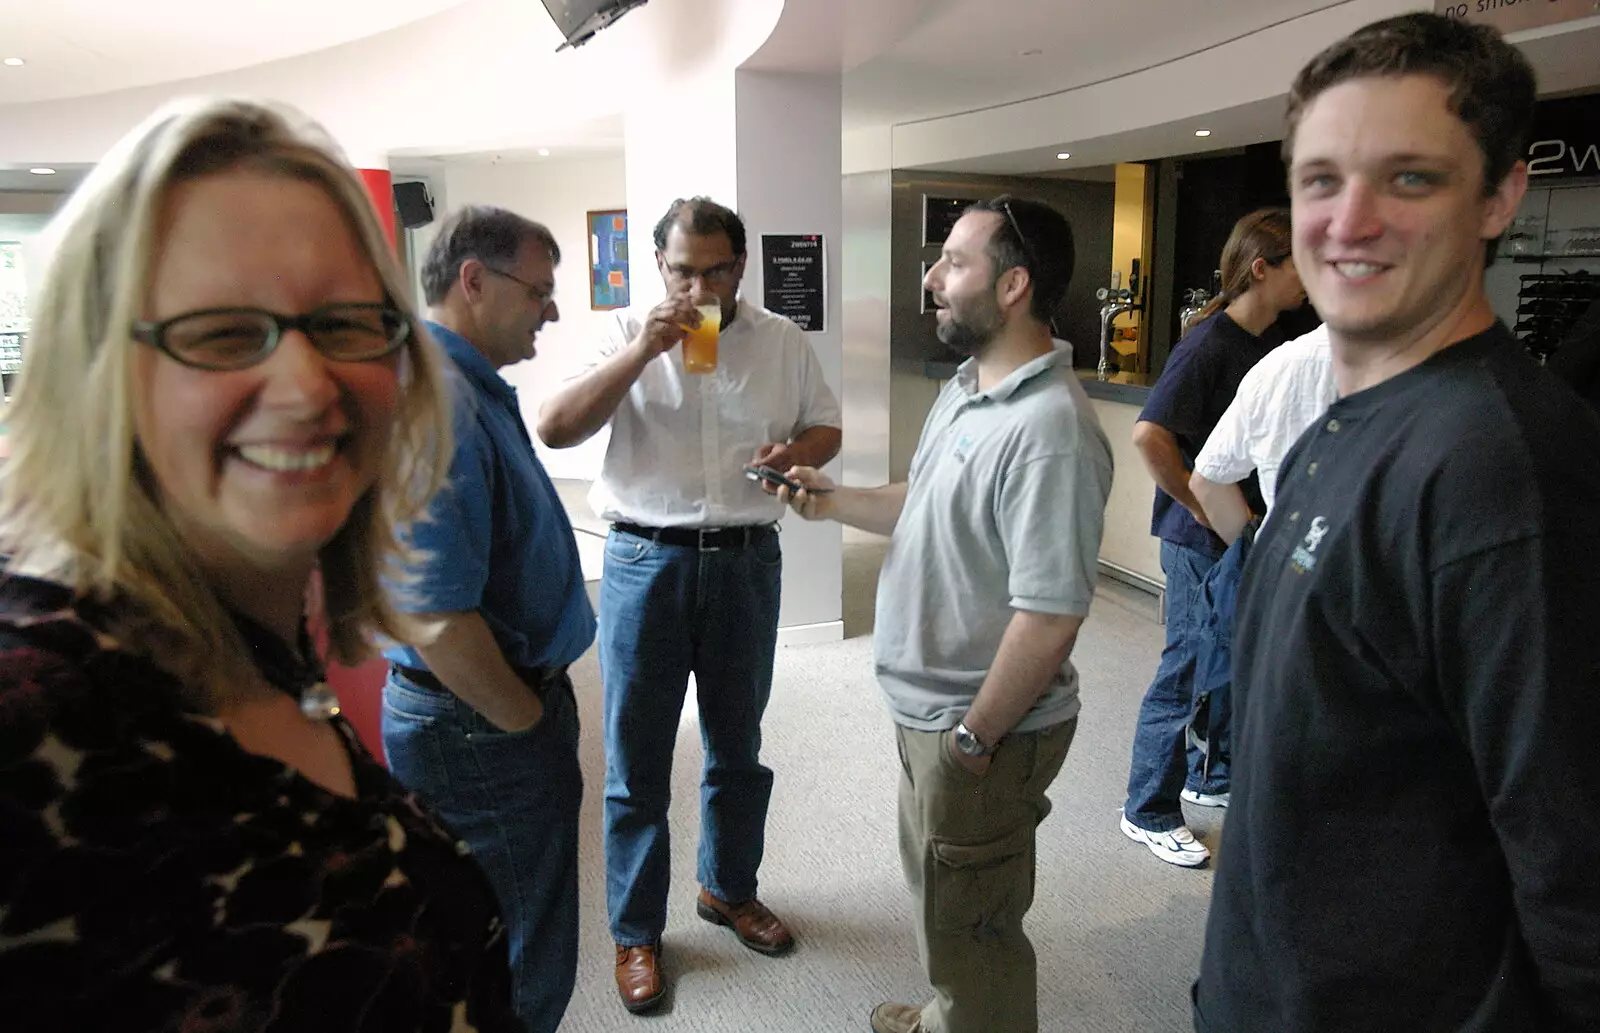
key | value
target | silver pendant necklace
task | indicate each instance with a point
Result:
(319, 703)
(296, 674)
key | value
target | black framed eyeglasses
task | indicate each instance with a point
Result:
(716, 275)
(535, 292)
(237, 338)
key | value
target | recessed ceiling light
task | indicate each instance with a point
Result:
(15, 62)
(1063, 156)
(544, 152)
(1202, 132)
(42, 171)
(1031, 52)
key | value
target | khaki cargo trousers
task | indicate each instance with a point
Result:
(967, 846)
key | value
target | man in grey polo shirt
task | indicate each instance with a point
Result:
(991, 566)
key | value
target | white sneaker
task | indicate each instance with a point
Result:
(1177, 847)
(1205, 799)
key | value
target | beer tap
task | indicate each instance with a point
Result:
(1116, 300)
(1195, 301)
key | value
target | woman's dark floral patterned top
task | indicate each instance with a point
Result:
(155, 876)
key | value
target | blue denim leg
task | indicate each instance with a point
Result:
(736, 632)
(514, 797)
(1160, 764)
(646, 597)
(1213, 678)
(1213, 775)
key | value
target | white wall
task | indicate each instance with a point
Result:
(866, 263)
(559, 194)
(1127, 539)
(788, 182)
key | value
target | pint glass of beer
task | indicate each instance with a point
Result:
(700, 347)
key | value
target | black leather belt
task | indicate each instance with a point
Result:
(539, 679)
(705, 539)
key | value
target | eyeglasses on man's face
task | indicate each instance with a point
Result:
(719, 275)
(536, 294)
(223, 339)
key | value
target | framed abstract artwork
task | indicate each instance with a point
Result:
(608, 259)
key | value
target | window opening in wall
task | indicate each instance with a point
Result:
(13, 311)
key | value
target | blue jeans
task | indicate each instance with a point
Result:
(1163, 760)
(666, 611)
(514, 798)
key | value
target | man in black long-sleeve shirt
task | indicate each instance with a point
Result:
(1416, 805)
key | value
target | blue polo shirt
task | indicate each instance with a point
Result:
(498, 539)
(1195, 389)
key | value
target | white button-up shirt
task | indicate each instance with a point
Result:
(680, 441)
(1278, 399)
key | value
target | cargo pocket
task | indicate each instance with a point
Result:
(977, 885)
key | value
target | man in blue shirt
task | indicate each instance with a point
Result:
(482, 722)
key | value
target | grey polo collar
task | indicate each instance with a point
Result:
(967, 375)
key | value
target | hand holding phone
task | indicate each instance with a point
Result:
(770, 476)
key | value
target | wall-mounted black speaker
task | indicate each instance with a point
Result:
(579, 20)
(411, 200)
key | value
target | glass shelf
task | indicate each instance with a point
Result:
(1554, 256)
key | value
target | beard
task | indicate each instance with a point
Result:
(969, 332)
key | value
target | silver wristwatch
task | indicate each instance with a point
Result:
(970, 745)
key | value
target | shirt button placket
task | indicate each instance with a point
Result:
(711, 440)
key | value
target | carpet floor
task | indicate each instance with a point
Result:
(1117, 932)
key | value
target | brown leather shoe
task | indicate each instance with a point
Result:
(756, 927)
(639, 981)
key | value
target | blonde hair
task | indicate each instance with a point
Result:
(76, 502)
(1265, 234)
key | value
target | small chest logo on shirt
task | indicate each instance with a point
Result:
(963, 448)
(1305, 554)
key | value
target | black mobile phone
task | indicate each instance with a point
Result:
(778, 480)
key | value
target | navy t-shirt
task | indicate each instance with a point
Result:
(1193, 392)
(1410, 841)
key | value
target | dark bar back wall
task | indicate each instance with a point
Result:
(913, 339)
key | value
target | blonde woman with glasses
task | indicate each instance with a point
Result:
(224, 393)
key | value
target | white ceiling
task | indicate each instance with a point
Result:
(577, 141)
(478, 79)
(966, 55)
(76, 48)
(1157, 109)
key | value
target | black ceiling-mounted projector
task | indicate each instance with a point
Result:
(579, 20)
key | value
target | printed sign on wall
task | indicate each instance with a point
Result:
(1565, 142)
(793, 278)
(1516, 15)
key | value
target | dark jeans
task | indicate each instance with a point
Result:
(666, 611)
(1163, 760)
(1212, 726)
(514, 798)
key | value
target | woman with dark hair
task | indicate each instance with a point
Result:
(1259, 284)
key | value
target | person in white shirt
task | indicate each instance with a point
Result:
(692, 575)
(1277, 400)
